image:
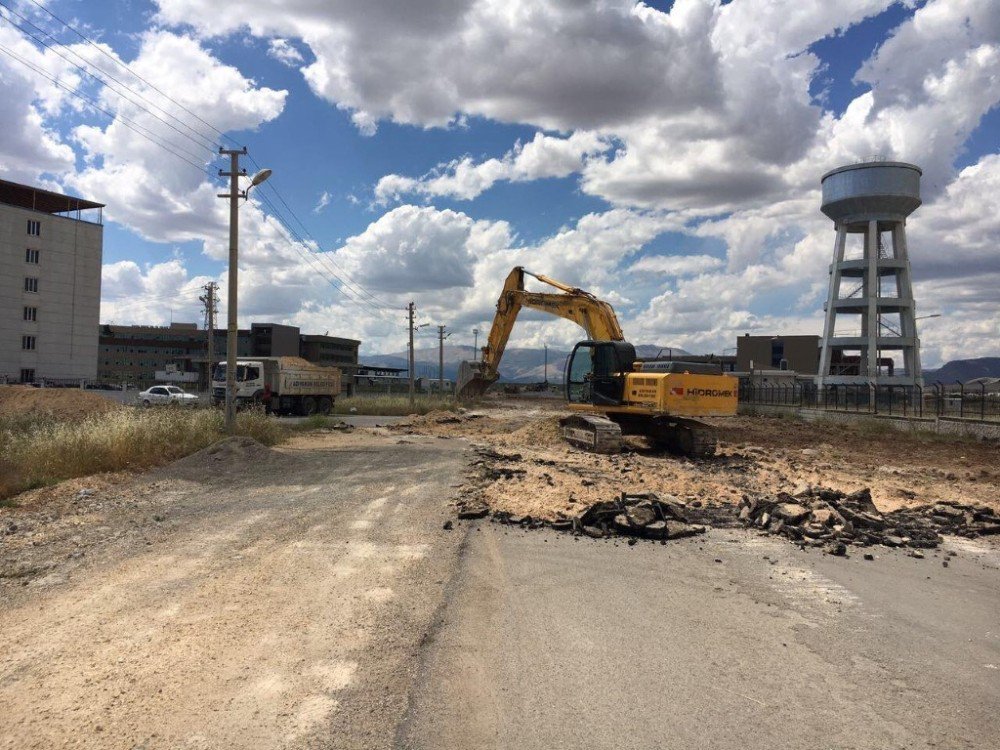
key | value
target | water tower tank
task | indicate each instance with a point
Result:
(870, 333)
(884, 190)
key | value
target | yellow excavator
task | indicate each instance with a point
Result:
(613, 392)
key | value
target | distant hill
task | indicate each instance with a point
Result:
(964, 369)
(519, 365)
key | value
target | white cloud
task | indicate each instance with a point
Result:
(323, 202)
(676, 265)
(284, 52)
(464, 179)
(420, 249)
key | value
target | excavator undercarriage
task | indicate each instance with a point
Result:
(599, 434)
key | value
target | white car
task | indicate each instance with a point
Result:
(167, 394)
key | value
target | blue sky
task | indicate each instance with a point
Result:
(666, 156)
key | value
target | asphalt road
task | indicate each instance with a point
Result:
(548, 642)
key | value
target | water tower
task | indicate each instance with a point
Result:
(870, 335)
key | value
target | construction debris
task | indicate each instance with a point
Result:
(646, 516)
(824, 517)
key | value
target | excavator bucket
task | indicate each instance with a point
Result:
(471, 381)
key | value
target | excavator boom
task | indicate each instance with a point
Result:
(595, 316)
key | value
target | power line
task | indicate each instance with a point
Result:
(127, 68)
(311, 257)
(346, 286)
(125, 121)
(202, 143)
(353, 285)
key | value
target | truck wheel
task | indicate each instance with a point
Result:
(325, 404)
(308, 407)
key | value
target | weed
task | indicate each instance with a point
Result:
(47, 451)
(393, 405)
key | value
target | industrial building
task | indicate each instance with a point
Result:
(51, 247)
(797, 353)
(143, 355)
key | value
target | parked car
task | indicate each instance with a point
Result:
(167, 394)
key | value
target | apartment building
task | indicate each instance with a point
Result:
(50, 285)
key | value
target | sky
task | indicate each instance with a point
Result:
(665, 156)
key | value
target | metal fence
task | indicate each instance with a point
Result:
(959, 400)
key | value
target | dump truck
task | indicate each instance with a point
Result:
(283, 385)
(613, 392)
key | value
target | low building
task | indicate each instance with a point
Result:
(132, 355)
(330, 351)
(141, 356)
(798, 353)
(51, 247)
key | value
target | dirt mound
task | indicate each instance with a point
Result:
(540, 433)
(238, 450)
(60, 403)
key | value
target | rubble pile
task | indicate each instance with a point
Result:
(646, 516)
(820, 516)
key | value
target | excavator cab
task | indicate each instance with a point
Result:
(595, 372)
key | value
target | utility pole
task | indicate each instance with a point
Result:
(234, 196)
(441, 338)
(475, 346)
(546, 363)
(410, 314)
(211, 306)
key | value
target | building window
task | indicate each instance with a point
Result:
(30, 284)
(28, 343)
(31, 314)
(31, 256)
(27, 376)
(34, 228)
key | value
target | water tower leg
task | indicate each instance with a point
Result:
(830, 323)
(871, 286)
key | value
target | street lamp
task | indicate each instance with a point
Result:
(475, 345)
(924, 317)
(234, 196)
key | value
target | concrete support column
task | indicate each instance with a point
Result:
(871, 290)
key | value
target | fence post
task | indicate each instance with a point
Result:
(873, 395)
(920, 393)
(961, 399)
(982, 402)
(890, 400)
(939, 398)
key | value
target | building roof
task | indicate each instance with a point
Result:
(37, 199)
(320, 337)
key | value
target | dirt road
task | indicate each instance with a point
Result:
(248, 599)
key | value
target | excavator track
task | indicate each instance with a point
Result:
(688, 437)
(592, 433)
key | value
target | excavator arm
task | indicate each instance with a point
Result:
(595, 316)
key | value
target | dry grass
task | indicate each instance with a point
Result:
(39, 452)
(393, 405)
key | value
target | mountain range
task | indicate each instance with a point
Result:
(519, 365)
(964, 369)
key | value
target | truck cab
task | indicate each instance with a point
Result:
(249, 381)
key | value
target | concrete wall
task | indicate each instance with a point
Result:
(943, 425)
(68, 297)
